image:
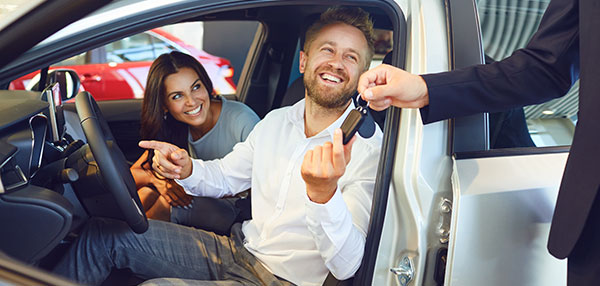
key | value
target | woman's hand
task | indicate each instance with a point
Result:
(172, 192)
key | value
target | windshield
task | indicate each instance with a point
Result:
(10, 10)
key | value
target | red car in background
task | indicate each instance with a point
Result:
(119, 70)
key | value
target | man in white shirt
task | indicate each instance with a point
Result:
(310, 202)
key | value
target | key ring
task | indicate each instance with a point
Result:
(359, 99)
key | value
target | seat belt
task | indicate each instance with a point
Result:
(275, 62)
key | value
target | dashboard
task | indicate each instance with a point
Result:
(36, 214)
(23, 129)
(50, 182)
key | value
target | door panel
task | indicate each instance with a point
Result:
(502, 211)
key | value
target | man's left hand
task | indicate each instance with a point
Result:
(324, 165)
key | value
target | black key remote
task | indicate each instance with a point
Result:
(353, 121)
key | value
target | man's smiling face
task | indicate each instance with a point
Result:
(332, 64)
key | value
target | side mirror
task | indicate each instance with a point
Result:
(67, 78)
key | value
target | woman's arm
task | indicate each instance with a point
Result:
(142, 177)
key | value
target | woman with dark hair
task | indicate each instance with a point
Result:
(179, 107)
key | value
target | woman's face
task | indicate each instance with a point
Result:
(186, 97)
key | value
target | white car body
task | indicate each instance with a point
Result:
(501, 205)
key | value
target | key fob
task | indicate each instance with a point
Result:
(352, 122)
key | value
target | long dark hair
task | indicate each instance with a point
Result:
(154, 125)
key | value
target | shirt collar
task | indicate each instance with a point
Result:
(296, 117)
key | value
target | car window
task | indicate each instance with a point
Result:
(160, 45)
(383, 45)
(136, 48)
(119, 70)
(505, 27)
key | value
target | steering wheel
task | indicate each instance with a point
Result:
(111, 162)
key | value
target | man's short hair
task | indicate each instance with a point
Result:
(352, 16)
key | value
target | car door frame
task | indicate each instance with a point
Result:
(40, 22)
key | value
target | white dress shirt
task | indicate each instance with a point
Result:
(293, 237)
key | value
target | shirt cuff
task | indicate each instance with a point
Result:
(190, 182)
(329, 211)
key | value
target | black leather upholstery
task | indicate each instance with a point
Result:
(33, 221)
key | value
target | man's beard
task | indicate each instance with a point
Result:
(325, 96)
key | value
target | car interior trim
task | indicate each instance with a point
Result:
(522, 151)
(39, 127)
(44, 19)
(23, 105)
(365, 274)
(21, 178)
(468, 133)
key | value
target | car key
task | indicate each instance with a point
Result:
(353, 121)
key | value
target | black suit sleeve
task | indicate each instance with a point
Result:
(545, 69)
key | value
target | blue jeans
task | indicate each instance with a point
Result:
(166, 250)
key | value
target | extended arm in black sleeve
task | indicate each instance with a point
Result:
(545, 69)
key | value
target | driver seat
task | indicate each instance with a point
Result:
(34, 221)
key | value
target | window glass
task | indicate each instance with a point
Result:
(136, 48)
(119, 70)
(383, 45)
(161, 45)
(505, 27)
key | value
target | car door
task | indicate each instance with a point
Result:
(460, 213)
(412, 231)
(504, 198)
